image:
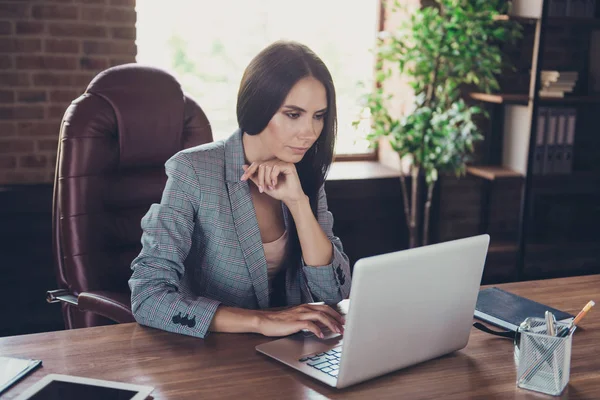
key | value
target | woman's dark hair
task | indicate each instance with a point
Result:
(265, 84)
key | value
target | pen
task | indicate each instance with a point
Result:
(550, 323)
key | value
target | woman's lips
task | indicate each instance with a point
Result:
(299, 150)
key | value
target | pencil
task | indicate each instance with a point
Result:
(584, 311)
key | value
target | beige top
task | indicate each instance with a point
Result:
(274, 253)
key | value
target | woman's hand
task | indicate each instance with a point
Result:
(305, 316)
(276, 178)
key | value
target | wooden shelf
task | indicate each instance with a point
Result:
(518, 98)
(491, 173)
(575, 182)
(503, 246)
(506, 17)
(578, 21)
(506, 246)
(357, 170)
(563, 246)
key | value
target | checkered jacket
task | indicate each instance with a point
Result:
(202, 247)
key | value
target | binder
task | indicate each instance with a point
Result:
(558, 8)
(576, 8)
(590, 8)
(558, 165)
(507, 310)
(540, 138)
(567, 166)
(550, 141)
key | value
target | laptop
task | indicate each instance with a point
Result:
(405, 307)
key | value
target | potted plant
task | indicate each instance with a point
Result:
(441, 50)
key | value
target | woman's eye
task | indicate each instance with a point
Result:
(293, 115)
(320, 116)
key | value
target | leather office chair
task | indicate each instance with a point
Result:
(114, 141)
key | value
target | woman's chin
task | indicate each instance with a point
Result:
(291, 158)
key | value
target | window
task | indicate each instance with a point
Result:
(207, 44)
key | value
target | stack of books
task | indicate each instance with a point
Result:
(557, 83)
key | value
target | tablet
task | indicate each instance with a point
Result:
(67, 387)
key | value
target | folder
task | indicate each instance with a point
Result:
(540, 139)
(590, 10)
(507, 310)
(567, 167)
(561, 126)
(550, 141)
(557, 8)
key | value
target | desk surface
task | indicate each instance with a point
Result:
(227, 366)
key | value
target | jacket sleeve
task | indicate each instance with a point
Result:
(329, 283)
(158, 297)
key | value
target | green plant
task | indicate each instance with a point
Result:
(441, 49)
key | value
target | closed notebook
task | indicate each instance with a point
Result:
(12, 369)
(508, 310)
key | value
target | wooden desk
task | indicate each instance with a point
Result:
(227, 366)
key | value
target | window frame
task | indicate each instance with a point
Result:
(372, 155)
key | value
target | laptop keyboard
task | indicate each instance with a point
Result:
(328, 362)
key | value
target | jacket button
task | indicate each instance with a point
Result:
(177, 319)
(340, 275)
(184, 320)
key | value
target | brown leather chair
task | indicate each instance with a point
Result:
(114, 141)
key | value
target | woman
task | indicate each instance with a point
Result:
(243, 224)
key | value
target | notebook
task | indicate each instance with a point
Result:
(507, 310)
(12, 369)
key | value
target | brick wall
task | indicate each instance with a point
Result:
(49, 52)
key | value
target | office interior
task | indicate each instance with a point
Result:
(51, 50)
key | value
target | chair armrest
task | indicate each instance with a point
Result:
(112, 305)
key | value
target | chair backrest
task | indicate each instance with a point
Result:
(114, 141)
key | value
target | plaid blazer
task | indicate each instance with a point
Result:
(201, 247)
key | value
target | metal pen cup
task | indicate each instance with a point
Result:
(543, 361)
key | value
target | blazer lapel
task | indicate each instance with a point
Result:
(244, 218)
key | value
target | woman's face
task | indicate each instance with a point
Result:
(298, 123)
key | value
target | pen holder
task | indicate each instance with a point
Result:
(543, 361)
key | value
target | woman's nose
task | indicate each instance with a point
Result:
(310, 130)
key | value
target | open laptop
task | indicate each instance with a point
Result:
(405, 307)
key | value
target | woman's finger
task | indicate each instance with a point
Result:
(268, 180)
(310, 326)
(261, 178)
(329, 311)
(249, 171)
(274, 174)
(324, 319)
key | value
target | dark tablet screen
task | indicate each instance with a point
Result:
(58, 390)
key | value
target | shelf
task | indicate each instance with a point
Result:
(522, 98)
(360, 170)
(575, 182)
(491, 173)
(506, 246)
(503, 246)
(576, 21)
(557, 247)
